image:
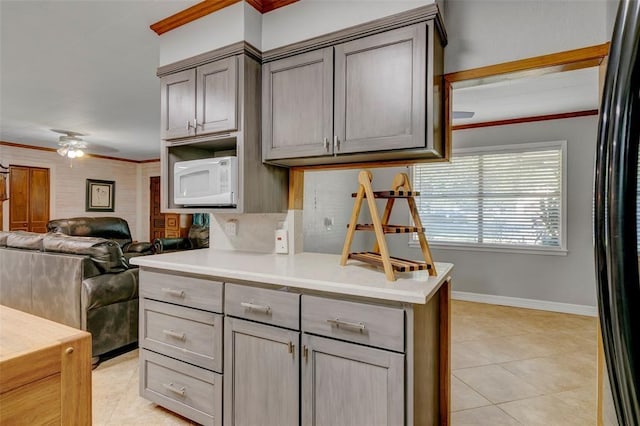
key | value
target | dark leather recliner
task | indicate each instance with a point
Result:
(111, 228)
(198, 238)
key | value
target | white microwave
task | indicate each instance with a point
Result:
(206, 182)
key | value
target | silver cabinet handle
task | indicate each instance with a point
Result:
(172, 388)
(188, 125)
(195, 124)
(172, 292)
(254, 307)
(175, 334)
(336, 143)
(326, 144)
(291, 347)
(346, 324)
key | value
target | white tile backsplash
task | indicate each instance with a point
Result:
(255, 232)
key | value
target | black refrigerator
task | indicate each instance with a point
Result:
(615, 221)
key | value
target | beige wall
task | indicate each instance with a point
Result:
(68, 185)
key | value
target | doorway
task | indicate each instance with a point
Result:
(28, 198)
(156, 218)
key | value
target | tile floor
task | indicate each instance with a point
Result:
(510, 366)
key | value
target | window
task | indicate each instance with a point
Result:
(500, 197)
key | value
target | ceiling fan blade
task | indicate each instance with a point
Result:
(68, 132)
(463, 114)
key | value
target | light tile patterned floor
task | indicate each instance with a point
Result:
(510, 366)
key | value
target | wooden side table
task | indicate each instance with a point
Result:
(45, 371)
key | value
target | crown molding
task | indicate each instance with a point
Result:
(207, 7)
(529, 119)
(101, 157)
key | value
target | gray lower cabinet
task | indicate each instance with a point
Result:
(181, 345)
(347, 384)
(262, 374)
(289, 359)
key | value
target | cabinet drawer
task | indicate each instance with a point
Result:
(186, 389)
(371, 325)
(188, 291)
(189, 334)
(263, 305)
(171, 222)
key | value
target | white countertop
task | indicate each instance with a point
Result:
(312, 271)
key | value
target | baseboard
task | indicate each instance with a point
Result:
(518, 302)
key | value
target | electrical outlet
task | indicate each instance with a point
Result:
(231, 228)
(282, 241)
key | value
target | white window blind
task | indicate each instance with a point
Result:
(496, 197)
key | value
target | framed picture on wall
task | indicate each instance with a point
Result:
(101, 195)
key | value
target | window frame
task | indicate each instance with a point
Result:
(509, 248)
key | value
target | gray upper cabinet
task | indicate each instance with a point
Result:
(349, 384)
(201, 100)
(298, 105)
(380, 91)
(217, 96)
(178, 104)
(262, 374)
(375, 89)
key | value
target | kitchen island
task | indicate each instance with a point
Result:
(298, 339)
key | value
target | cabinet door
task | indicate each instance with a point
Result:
(262, 374)
(217, 96)
(349, 384)
(178, 104)
(380, 90)
(297, 95)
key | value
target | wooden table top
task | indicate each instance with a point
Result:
(21, 332)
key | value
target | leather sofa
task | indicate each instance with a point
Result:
(111, 228)
(82, 282)
(197, 238)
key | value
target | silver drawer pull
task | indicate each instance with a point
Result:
(172, 388)
(253, 307)
(179, 336)
(172, 292)
(346, 324)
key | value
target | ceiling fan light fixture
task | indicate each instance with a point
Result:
(63, 150)
(79, 153)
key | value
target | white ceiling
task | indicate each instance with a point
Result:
(86, 66)
(553, 93)
(89, 66)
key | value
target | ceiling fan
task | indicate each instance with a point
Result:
(463, 114)
(71, 144)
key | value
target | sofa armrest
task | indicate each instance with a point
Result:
(106, 289)
(143, 247)
(161, 245)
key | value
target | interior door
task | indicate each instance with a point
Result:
(262, 374)
(28, 199)
(18, 198)
(156, 218)
(38, 199)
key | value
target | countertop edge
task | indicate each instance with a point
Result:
(395, 295)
